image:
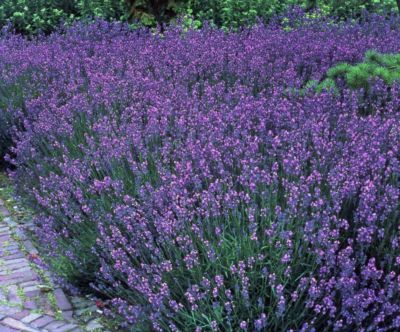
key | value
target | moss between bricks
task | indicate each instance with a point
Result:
(9, 202)
(21, 214)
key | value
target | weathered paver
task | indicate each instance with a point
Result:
(23, 306)
(4, 328)
(30, 318)
(18, 325)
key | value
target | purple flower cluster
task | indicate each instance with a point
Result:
(186, 178)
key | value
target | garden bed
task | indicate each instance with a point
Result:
(198, 181)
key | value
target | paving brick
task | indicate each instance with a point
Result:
(43, 321)
(30, 288)
(21, 314)
(19, 326)
(16, 261)
(29, 247)
(31, 317)
(32, 294)
(16, 274)
(21, 269)
(30, 305)
(4, 211)
(29, 283)
(9, 246)
(62, 301)
(13, 295)
(64, 328)
(13, 256)
(9, 311)
(68, 315)
(8, 251)
(5, 237)
(14, 279)
(4, 328)
(52, 326)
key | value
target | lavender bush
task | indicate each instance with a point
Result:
(186, 178)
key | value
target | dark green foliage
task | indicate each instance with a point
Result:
(352, 8)
(31, 17)
(327, 85)
(152, 12)
(339, 70)
(235, 13)
(107, 9)
(365, 76)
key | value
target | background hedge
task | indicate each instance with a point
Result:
(31, 17)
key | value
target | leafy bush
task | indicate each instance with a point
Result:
(32, 17)
(150, 13)
(375, 68)
(233, 13)
(352, 8)
(375, 65)
(178, 177)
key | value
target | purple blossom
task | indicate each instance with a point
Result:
(192, 180)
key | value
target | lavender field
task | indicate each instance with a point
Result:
(199, 180)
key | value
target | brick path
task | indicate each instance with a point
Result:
(25, 304)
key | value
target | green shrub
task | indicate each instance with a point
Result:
(375, 65)
(31, 17)
(365, 75)
(150, 13)
(235, 13)
(347, 8)
(107, 9)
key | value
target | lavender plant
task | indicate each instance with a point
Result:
(183, 177)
